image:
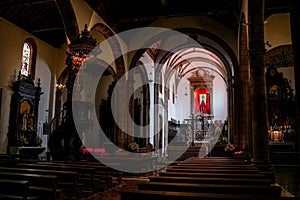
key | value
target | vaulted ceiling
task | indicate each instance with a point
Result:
(50, 20)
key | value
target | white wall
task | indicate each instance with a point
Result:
(277, 30)
(277, 33)
(220, 96)
(50, 62)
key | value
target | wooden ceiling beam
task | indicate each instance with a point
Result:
(48, 29)
(14, 4)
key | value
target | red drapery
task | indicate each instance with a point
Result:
(202, 101)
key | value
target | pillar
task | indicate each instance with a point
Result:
(243, 118)
(122, 109)
(258, 82)
(295, 32)
(130, 120)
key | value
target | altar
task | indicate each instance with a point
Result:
(27, 152)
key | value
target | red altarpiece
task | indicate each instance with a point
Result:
(202, 84)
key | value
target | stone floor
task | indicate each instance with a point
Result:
(114, 193)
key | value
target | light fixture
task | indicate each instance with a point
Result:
(150, 77)
(268, 44)
(185, 93)
(60, 86)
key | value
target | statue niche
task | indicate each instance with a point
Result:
(26, 121)
(23, 117)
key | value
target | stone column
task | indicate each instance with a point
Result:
(146, 105)
(243, 128)
(130, 119)
(122, 118)
(258, 81)
(295, 32)
(156, 117)
(166, 97)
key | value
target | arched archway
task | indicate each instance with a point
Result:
(175, 66)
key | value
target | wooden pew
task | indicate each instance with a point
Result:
(196, 179)
(41, 185)
(211, 188)
(135, 194)
(213, 175)
(201, 170)
(199, 166)
(7, 158)
(212, 162)
(111, 171)
(222, 163)
(15, 189)
(229, 181)
(67, 180)
(62, 176)
(216, 159)
(81, 171)
(80, 186)
(98, 179)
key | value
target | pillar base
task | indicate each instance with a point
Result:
(265, 167)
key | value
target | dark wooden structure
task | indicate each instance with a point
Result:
(24, 108)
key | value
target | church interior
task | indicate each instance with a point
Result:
(167, 99)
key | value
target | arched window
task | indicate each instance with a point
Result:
(28, 58)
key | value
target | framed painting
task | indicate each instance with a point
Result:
(273, 91)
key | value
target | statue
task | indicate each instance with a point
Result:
(24, 121)
(30, 122)
(274, 120)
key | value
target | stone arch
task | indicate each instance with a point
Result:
(213, 44)
(220, 48)
(69, 19)
(122, 138)
(115, 46)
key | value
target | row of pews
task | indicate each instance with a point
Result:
(53, 180)
(207, 178)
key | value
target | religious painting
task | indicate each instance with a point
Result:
(202, 101)
(274, 83)
(273, 91)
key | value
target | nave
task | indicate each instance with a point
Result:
(192, 178)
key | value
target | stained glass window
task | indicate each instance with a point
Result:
(26, 56)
